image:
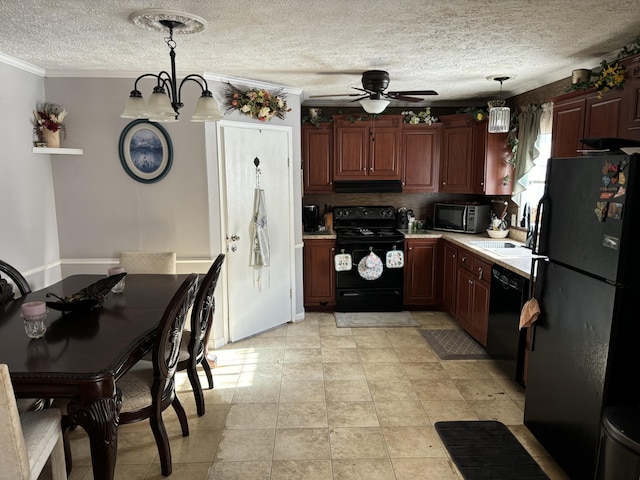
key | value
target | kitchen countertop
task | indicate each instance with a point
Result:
(519, 265)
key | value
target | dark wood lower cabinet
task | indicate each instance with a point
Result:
(472, 299)
(420, 283)
(319, 274)
(449, 277)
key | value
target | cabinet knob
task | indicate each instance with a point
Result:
(333, 249)
(480, 272)
(410, 248)
(464, 259)
(470, 282)
(371, 169)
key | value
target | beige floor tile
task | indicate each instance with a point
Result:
(416, 354)
(371, 340)
(302, 391)
(425, 370)
(302, 371)
(481, 389)
(258, 392)
(505, 411)
(528, 441)
(270, 372)
(340, 355)
(302, 415)
(246, 445)
(301, 469)
(252, 415)
(445, 410)
(378, 355)
(352, 414)
(304, 328)
(232, 470)
(363, 469)
(401, 413)
(392, 390)
(303, 341)
(358, 442)
(214, 418)
(337, 341)
(221, 394)
(551, 468)
(461, 369)
(384, 371)
(347, 391)
(302, 355)
(406, 442)
(435, 468)
(302, 444)
(436, 389)
(329, 329)
(343, 371)
(262, 356)
(276, 342)
(181, 471)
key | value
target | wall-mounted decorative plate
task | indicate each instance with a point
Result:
(146, 152)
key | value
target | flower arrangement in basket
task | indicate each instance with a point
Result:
(49, 122)
(420, 117)
(611, 76)
(256, 102)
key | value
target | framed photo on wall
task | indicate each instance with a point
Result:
(146, 152)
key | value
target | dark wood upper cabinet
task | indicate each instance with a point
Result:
(457, 154)
(367, 149)
(317, 157)
(420, 157)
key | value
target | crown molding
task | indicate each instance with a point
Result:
(22, 65)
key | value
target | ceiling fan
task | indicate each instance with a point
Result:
(374, 84)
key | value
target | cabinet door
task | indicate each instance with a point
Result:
(420, 272)
(630, 127)
(351, 152)
(498, 172)
(457, 155)
(478, 322)
(568, 127)
(464, 298)
(449, 277)
(319, 273)
(420, 157)
(384, 163)
(317, 157)
(602, 116)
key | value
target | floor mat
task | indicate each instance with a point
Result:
(488, 450)
(375, 319)
(454, 345)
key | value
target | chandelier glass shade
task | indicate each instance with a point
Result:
(499, 115)
(165, 101)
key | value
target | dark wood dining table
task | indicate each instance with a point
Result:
(82, 354)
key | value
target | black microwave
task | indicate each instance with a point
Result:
(461, 217)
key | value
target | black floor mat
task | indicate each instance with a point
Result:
(488, 450)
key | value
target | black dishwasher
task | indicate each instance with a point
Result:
(505, 341)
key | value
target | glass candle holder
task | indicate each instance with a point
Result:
(118, 287)
(34, 315)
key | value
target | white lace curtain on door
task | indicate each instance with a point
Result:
(260, 257)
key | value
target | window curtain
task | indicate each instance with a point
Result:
(528, 131)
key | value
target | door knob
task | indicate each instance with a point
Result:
(235, 237)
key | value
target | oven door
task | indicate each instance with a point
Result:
(369, 286)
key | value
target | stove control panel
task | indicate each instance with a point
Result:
(364, 213)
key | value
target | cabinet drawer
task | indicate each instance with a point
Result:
(465, 260)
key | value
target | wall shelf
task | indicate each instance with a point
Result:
(58, 151)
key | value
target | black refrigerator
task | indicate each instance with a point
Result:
(585, 347)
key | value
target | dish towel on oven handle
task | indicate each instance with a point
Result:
(370, 267)
(342, 262)
(260, 256)
(395, 259)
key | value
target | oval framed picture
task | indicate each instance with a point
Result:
(146, 152)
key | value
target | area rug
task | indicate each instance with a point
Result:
(375, 319)
(487, 450)
(454, 345)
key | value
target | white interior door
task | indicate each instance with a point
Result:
(258, 298)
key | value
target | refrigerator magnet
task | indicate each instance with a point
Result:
(621, 191)
(615, 210)
(610, 242)
(601, 211)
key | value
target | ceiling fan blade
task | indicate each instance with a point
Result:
(397, 96)
(415, 92)
(337, 95)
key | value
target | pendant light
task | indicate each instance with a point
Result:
(165, 101)
(499, 115)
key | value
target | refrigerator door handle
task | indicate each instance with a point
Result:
(535, 246)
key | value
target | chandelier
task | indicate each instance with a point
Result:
(499, 115)
(166, 100)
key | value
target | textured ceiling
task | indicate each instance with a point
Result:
(323, 46)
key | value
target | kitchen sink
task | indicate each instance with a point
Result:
(503, 247)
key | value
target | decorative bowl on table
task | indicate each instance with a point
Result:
(497, 233)
(86, 298)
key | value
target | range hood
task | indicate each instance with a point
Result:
(367, 186)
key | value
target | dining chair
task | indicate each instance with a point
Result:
(6, 290)
(27, 440)
(148, 262)
(148, 388)
(193, 348)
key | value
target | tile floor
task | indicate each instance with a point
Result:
(315, 402)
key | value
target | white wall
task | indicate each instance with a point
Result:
(28, 229)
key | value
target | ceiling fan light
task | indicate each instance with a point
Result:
(206, 109)
(373, 106)
(499, 118)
